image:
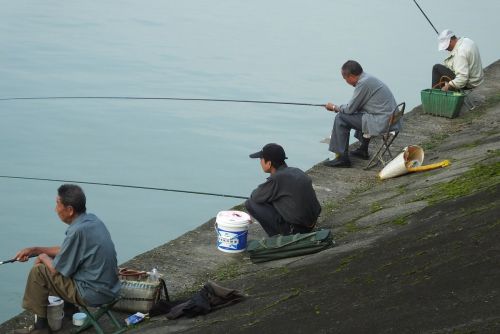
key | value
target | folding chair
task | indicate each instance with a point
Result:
(93, 318)
(386, 138)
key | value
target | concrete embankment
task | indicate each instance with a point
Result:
(417, 253)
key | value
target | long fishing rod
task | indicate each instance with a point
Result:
(13, 260)
(122, 186)
(8, 261)
(156, 98)
(415, 1)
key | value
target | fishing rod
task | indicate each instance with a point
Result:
(123, 186)
(415, 1)
(14, 260)
(155, 98)
(8, 261)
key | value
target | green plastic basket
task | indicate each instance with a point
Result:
(439, 103)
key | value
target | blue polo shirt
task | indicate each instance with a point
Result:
(88, 256)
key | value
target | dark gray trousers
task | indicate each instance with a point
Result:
(440, 70)
(339, 141)
(271, 221)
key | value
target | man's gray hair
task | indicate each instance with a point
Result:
(72, 195)
(352, 67)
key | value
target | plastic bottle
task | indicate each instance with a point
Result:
(154, 275)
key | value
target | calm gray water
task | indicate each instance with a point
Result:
(259, 50)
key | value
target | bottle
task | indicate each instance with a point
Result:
(154, 275)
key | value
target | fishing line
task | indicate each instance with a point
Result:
(415, 1)
(123, 186)
(156, 98)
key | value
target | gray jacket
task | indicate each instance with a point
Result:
(374, 99)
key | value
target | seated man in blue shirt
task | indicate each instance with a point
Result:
(83, 270)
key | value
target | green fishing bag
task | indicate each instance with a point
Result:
(279, 247)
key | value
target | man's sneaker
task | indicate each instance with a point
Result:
(359, 153)
(338, 163)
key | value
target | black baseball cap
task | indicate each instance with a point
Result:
(270, 152)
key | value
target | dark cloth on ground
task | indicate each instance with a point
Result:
(211, 297)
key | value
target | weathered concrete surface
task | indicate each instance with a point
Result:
(417, 253)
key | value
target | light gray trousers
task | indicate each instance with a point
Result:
(339, 141)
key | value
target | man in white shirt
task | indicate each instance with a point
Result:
(463, 64)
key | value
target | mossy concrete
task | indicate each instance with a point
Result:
(417, 253)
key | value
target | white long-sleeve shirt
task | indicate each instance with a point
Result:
(464, 60)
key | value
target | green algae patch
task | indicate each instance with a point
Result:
(227, 272)
(376, 206)
(401, 221)
(345, 262)
(434, 141)
(478, 178)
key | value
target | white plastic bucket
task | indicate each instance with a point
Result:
(412, 156)
(55, 313)
(232, 231)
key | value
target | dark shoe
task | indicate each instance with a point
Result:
(70, 309)
(338, 163)
(360, 153)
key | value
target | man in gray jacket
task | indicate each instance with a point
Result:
(286, 203)
(367, 112)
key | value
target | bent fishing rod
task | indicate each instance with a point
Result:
(155, 98)
(415, 1)
(122, 186)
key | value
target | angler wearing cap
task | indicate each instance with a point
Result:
(286, 203)
(463, 64)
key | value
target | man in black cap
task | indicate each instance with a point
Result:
(286, 203)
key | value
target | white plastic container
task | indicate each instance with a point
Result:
(79, 319)
(55, 313)
(232, 231)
